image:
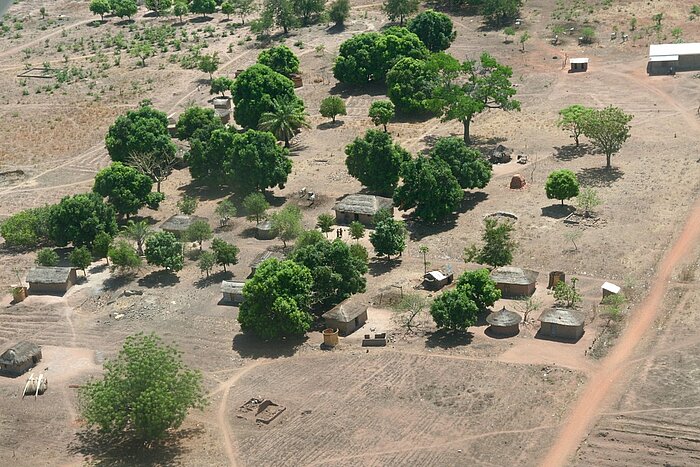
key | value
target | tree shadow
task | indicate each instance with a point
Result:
(379, 266)
(330, 125)
(249, 232)
(158, 279)
(103, 450)
(346, 90)
(96, 23)
(125, 22)
(571, 152)
(201, 19)
(249, 346)
(599, 177)
(336, 29)
(557, 211)
(216, 278)
(419, 230)
(150, 220)
(412, 117)
(545, 337)
(493, 335)
(98, 268)
(115, 282)
(448, 339)
(205, 192)
(486, 145)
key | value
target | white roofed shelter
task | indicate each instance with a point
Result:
(578, 64)
(666, 59)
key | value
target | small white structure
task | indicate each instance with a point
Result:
(610, 289)
(578, 64)
(666, 59)
(232, 292)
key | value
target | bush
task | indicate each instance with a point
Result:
(410, 84)
(26, 229)
(332, 106)
(47, 257)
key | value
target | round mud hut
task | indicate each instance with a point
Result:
(504, 323)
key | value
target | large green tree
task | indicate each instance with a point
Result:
(123, 256)
(79, 218)
(144, 130)
(337, 274)
(400, 9)
(159, 6)
(429, 186)
(376, 161)
(163, 249)
(467, 89)
(225, 254)
(572, 118)
(434, 29)
(277, 300)
(339, 11)
(381, 112)
(332, 106)
(608, 129)
(255, 205)
(308, 10)
(468, 165)
(199, 231)
(561, 184)
(203, 7)
(410, 84)
(254, 90)
(458, 309)
(499, 12)
(498, 246)
(389, 237)
(125, 188)
(281, 13)
(27, 229)
(285, 119)
(124, 8)
(281, 59)
(197, 122)
(146, 391)
(100, 7)
(286, 223)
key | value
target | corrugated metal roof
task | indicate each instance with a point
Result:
(578, 60)
(691, 48)
(664, 58)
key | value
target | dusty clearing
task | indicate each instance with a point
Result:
(428, 398)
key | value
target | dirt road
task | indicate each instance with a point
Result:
(589, 405)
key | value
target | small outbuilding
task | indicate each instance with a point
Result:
(264, 256)
(232, 292)
(264, 231)
(578, 64)
(361, 208)
(504, 323)
(44, 280)
(222, 108)
(561, 323)
(515, 282)
(346, 317)
(609, 288)
(18, 359)
(435, 280)
(178, 223)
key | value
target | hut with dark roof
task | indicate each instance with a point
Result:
(561, 323)
(19, 358)
(515, 282)
(361, 208)
(346, 317)
(504, 323)
(45, 280)
(178, 223)
(264, 256)
(264, 231)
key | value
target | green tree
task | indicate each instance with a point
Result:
(140, 131)
(47, 257)
(123, 257)
(359, 252)
(206, 262)
(308, 10)
(566, 294)
(276, 300)
(225, 254)
(227, 9)
(282, 13)
(181, 8)
(26, 229)
(337, 274)
(381, 113)
(325, 222)
(197, 122)
(286, 223)
(203, 7)
(499, 12)
(100, 246)
(357, 230)
(376, 161)
(137, 232)
(588, 35)
(244, 8)
(255, 205)
(285, 119)
(209, 63)
(400, 9)
(423, 250)
(410, 84)
(198, 231)
(159, 6)
(81, 258)
(509, 32)
(498, 245)
(429, 186)
(145, 392)
(434, 29)
(572, 118)
(468, 165)
(254, 90)
(388, 238)
(561, 184)
(587, 200)
(524, 37)
(332, 106)
(187, 205)
(125, 188)
(469, 88)
(100, 7)
(225, 210)
(220, 85)
(308, 237)
(382, 215)
(141, 50)
(124, 8)
(79, 218)
(163, 249)
(608, 130)
(459, 308)
(339, 11)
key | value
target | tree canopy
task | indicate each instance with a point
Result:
(285, 119)
(389, 237)
(332, 106)
(434, 29)
(410, 84)
(80, 258)
(123, 256)
(253, 92)
(381, 112)
(376, 161)
(468, 165)
(572, 118)
(27, 229)
(198, 231)
(429, 186)
(498, 246)
(255, 205)
(203, 7)
(280, 59)
(125, 188)
(47, 257)
(159, 6)
(458, 309)
(124, 8)
(286, 223)
(163, 249)
(561, 184)
(280, 13)
(144, 130)
(225, 254)
(499, 12)
(100, 7)
(339, 11)
(146, 391)
(608, 130)
(79, 218)
(400, 9)
(277, 300)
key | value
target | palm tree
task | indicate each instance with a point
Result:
(285, 119)
(137, 232)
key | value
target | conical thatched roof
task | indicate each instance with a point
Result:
(504, 318)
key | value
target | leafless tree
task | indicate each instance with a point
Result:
(157, 166)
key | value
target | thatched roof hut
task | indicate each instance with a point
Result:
(361, 208)
(504, 322)
(515, 282)
(264, 256)
(178, 223)
(51, 280)
(264, 231)
(346, 317)
(562, 323)
(19, 358)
